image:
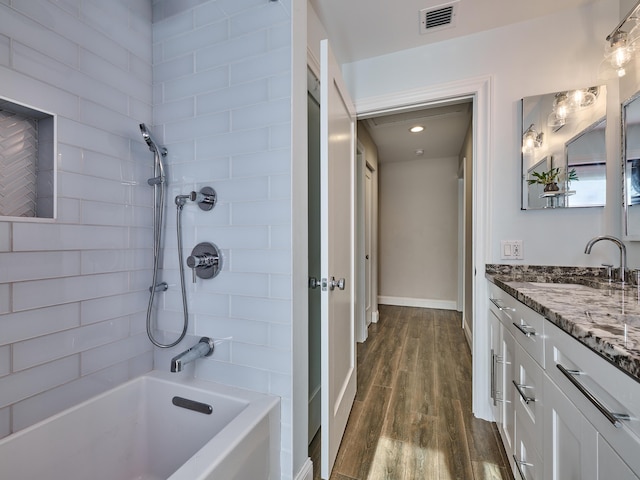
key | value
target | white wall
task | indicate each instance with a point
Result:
(566, 58)
(73, 291)
(418, 232)
(222, 105)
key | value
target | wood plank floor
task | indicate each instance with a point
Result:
(412, 415)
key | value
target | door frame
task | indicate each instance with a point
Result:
(480, 90)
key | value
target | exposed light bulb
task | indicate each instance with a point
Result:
(619, 52)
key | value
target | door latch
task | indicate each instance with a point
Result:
(337, 283)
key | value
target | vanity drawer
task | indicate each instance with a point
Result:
(526, 325)
(599, 390)
(527, 459)
(528, 397)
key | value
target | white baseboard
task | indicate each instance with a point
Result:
(418, 302)
(306, 472)
(375, 316)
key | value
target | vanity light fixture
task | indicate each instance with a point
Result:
(531, 139)
(583, 97)
(621, 45)
(416, 129)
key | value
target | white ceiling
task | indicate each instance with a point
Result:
(445, 127)
(361, 29)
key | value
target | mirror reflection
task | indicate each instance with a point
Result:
(563, 149)
(631, 168)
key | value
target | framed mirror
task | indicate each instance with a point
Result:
(631, 166)
(563, 149)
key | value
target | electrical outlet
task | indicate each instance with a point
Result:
(511, 250)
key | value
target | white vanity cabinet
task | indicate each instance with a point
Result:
(607, 397)
(572, 415)
(518, 352)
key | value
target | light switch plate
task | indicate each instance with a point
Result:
(511, 250)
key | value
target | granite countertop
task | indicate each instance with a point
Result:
(602, 315)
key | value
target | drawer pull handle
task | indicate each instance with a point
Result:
(520, 388)
(520, 463)
(527, 330)
(614, 418)
(499, 303)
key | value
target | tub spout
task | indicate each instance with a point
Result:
(203, 348)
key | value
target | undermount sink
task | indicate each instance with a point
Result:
(561, 286)
(558, 285)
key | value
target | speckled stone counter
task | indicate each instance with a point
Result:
(601, 315)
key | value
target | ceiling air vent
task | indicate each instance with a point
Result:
(439, 17)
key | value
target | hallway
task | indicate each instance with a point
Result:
(412, 415)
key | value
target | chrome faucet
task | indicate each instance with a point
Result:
(203, 348)
(623, 251)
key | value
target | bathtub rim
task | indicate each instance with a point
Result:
(258, 406)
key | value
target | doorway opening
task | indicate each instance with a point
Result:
(478, 91)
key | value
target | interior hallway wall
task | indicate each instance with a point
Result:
(73, 291)
(418, 233)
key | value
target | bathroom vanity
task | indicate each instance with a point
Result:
(565, 372)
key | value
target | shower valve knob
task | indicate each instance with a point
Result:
(205, 261)
(202, 261)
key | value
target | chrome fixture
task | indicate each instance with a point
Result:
(621, 246)
(159, 183)
(158, 153)
(204, 348)
(205, 261)
(621, 45)
(531, 139)
(206, 198)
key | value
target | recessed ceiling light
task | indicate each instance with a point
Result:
(416, 129)
(419, 152)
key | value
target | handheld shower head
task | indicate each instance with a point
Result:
(151, 142)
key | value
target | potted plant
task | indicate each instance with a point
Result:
(551, 177)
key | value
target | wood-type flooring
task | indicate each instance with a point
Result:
(412, 415)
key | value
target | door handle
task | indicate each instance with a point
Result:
(333, 283)
(314, 282)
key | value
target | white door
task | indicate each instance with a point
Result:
(368, 209)
(337, 205)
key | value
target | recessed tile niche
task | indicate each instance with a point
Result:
(27, 161)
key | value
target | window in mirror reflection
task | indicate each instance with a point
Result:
(631, 166)
(570, 129)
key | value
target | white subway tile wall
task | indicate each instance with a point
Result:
(222, 106)
(73, 292)
(72, 301)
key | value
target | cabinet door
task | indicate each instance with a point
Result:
(496, 380)
(610, 465)
(503, 349)
(571, 442)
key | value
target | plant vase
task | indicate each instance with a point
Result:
(551, 187)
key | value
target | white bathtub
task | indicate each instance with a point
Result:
(134, 431)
